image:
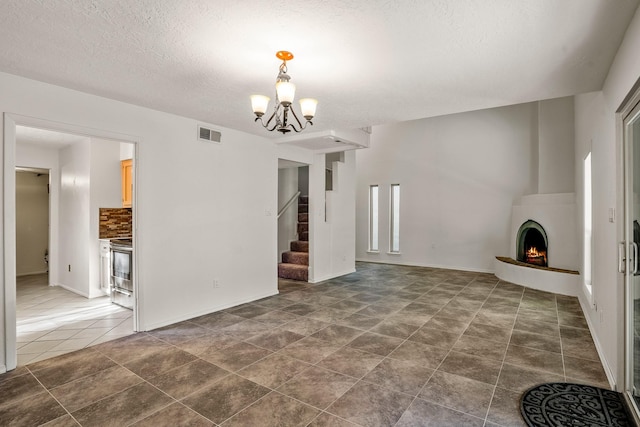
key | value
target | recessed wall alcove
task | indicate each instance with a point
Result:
(545, 222)
(532, 244)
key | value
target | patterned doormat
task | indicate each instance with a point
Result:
(565, 404)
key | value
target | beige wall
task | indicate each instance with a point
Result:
(32, 222)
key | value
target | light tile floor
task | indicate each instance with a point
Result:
(52, 321)
(386, 346)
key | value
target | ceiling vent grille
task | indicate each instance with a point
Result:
(208, 135)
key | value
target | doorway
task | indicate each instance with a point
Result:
(293, 221)
(32, 221)
(631, 124)
(74, 310)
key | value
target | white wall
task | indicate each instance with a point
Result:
(595, 130)
(75, 208)
(555, 146)
(287, 223)
(32, 222)
(332, 234)
(101, 160)
(105, 192)
(303, 180)
(459, 176)
(200, 216)
(556, 213)
(126, 151)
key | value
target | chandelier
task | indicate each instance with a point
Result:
(283, 112)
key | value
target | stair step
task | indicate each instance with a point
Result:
(293, 271)
(290, 257)
(303, 208)
(304, 236)
(299, 246)
(303, 199)
(302, 227)
(303, 217)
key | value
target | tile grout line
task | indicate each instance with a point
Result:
(144, 380)
(564, 368)
(504, 358)
(446, 355)
(54, 398)
(320, 304)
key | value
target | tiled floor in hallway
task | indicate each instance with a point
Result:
(52, 321)
(385, 346)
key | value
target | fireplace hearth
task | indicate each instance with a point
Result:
(532, 244)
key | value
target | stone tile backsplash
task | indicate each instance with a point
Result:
(115, 222)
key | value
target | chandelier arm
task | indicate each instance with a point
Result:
(279, 119)
(274, 127)
(266, 125)
(297, 120)
(274, 115)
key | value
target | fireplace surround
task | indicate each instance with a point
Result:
(532, 244)
(557, 212)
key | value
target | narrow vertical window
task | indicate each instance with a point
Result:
(395, 218)
(587, 223)
(373, 218)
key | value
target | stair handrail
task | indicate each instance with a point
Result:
(289, 203)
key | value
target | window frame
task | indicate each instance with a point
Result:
(374, 219)
(394, 219)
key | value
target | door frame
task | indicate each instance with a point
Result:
(12, 120)
(630, 104)
(52, 238)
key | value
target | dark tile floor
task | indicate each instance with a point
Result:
(386, 346)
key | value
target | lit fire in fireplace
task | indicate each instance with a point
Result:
(533, 256)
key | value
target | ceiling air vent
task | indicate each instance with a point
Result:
(208, 135)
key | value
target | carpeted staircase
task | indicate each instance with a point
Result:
(295, 263)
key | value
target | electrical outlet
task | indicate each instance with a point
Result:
(216, 283)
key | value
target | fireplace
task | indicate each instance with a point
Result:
(532, 244)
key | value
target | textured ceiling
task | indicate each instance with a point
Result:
(46, 138)
(367, 62)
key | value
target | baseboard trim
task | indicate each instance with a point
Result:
(70, 289)
(31, 273)
(3, 369)
(603, 360)
(332, 276)
(214, 309)
(444, 267)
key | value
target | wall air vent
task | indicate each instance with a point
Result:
(208, 135)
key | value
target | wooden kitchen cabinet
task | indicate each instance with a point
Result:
(126, 167)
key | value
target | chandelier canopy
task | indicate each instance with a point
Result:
(280, 119)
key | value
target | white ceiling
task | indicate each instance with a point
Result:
(367, 62)
(45, 138)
